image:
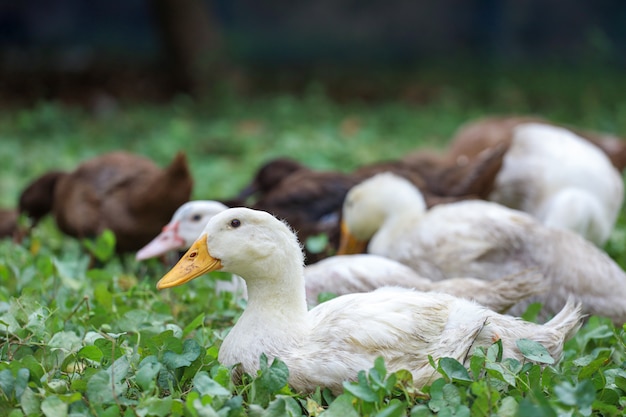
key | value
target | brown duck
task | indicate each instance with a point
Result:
(126, 193)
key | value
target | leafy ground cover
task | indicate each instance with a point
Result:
(82, 340)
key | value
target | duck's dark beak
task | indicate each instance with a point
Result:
(195, 262)
(348, 244)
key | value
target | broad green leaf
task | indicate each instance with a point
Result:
(154, 406)
(52, 406)
(7, 382)
(498, 371)
(71, 273)
(29, 402)
(591, 368)
(146, 374)
(100, 390)
(361, 389)
(206, 386)
(341, 407)
(91, 352)
(283, 406)
(191, 352)
(66, 341)
(33, 366)
(534, 351)
(274, 377)
(119, 369)
(454, 370)
(582, 395)
(508, 407)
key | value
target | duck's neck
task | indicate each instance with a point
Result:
(277, 293)
(406, 210)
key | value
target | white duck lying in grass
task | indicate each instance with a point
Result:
(347, 274)
(480, 239)
(335, 340)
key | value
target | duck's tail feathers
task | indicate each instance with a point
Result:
(568, 320)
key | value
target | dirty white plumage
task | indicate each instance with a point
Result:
(483, 240)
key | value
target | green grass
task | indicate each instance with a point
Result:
(102, 341)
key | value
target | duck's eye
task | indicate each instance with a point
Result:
(196, 217)
(235, 223)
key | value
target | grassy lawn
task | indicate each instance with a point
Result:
(101, 341)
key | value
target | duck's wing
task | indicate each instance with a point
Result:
(404, 326)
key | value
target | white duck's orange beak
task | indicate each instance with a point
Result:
(195, 262)
(348, 244)
(167, 240)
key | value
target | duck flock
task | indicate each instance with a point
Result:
(434, 254)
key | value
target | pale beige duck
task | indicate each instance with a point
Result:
(483, 240)
(332, 342)
(563, 178)
(339, 275)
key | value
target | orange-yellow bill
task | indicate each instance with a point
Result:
(195, 262)
(348, 244)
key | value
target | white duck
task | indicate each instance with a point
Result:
(335, 340)
(480, 239)
(561, 179)
(347, 274)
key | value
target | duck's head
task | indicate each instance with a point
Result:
(184, 228)
(250, 243)
(367, 206)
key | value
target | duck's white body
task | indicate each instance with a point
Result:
(561, 179)
(346, 274)
(483, 240)
(334, 341)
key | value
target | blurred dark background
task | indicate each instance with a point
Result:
(80, 51)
